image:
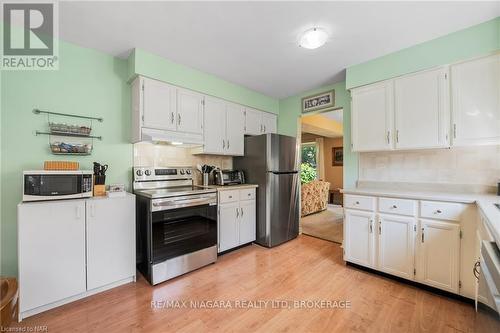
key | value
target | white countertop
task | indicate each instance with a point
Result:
(230, 187)
(484, 201)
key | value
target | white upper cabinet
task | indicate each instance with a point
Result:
(253, 122)
(215, 126)
(269, 122)
(372, 113)
(421, 110)
(475, 87)
(189, 111)
(159, 105)
(224, 128)
(235, 127)
(258, 122)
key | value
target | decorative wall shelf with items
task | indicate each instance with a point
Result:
(69, 139)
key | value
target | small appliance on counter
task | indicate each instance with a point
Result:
(229, 177)
(100, 179)
(41, 185)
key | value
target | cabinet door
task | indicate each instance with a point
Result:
(421, 110)
(189, 111)
(110, 240)
(396, 245)
(372, 112)
(269, 122)
(359, 237)
(159, 105)
(476, 101)
(215, 126)
(248, 221)
(229, 234)
(235, 130)
(253, 122)
(439, 254)
(51, 243)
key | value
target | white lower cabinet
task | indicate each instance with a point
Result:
(237, 218)
(70, 249)
(437, 250)
(439, 254)
(51, 245)
(396, 245)
(359, 237)
(110, 234)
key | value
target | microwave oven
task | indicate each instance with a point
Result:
(55, 185)
(228, 177)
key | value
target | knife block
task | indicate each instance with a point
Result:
(99, 190)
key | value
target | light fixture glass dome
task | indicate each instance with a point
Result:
(313, 38)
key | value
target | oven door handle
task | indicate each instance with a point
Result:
(173, 204)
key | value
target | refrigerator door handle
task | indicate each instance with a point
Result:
(284, 172)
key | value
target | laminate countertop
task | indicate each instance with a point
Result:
(485, 202)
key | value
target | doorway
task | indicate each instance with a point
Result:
(322, 175)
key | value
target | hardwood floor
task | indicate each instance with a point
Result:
(304, 269)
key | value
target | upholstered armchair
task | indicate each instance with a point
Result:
(314, 196)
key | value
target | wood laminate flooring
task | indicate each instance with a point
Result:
(306, 268)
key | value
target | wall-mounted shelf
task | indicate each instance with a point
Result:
(37, 111)
(75, 135)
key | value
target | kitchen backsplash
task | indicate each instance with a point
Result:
(147, 154)
(466, 165)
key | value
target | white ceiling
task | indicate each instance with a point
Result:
(336, 115)
(254, 44)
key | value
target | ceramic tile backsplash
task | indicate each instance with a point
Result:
(465, 165)
(148, 154)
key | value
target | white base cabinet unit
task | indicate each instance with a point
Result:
(71, 249)
(163, 112)
(237, 218)
(258, 122)
(430, 242)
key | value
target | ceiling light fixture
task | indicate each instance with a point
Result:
(313, 38)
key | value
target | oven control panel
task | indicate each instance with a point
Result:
(162, 173)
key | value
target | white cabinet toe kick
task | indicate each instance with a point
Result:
(429, 242)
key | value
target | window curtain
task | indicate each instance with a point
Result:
(320, 158)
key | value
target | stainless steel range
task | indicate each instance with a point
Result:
(176, 223)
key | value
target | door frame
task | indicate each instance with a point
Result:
(299, 151)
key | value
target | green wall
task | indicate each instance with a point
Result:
(87, 83)
(290, 110)
(156, 67)
(477, 40)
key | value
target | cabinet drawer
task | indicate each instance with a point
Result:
(228, 196)
(359, 202)
(441, 210)
(247, 194)
(397, 206)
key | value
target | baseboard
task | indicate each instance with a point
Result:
(414, 283)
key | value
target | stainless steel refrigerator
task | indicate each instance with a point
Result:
(271, 162)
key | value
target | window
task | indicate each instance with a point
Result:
(308, 166)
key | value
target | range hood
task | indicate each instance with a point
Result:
(171, 137)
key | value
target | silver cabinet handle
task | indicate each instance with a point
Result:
(356, 203)
(223, 144)
(438, 211)
(388, 137)
(178, 119)
(264, 128)
(380, 228)
(371, 226)
(397, 136)
(241, 212)
(172, 116)
(237, 212)
(423, 235)
(227, 144)
(394, 206)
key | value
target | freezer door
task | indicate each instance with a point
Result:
(281, 153)
(283, 205)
